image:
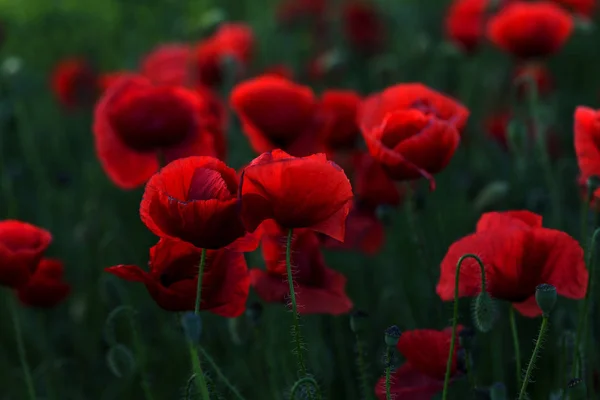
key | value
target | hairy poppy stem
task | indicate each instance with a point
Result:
(197, 368)
(583, 316)
(455, 315)
(534, 355)
(220, 374)
(362, 369)
(199, 287)
(388, 371)
(21, 348)
(517, 346)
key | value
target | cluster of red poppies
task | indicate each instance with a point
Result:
(165, 126)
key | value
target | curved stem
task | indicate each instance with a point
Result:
(21, 348)
(388, 370)
(362, 370)
(220, 374)
(197, 368)
(298, 384)
(297, 337)
(517, 347)
(583, 317)
(199, 287)
(534, 355)
(455, 315)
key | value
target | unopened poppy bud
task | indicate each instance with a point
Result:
(498, 391)
(545, 296)
(192, 326)
(484, 312)
(358, 321)
(254, 313)
(466, 337)
(392, 334)
(577, 389)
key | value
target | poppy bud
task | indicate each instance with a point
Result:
(192, 326)
(120, 361)
(392, 334)
(466, 336)
(545, 296)
(577, 389)
(498, 391)
(484, 312)
(358, 321)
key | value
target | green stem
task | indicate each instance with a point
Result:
(455, 315)
(534, 355)
(470, 376)
(365, 388)
(199, 287)
(141, 356)
(297, 336)
(220, 374)
(21, 348)
(388, 371)
(583, 317)
(517, 346)
(197, 368)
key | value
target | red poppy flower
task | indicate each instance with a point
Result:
(234, 40)
(538, 73)
(372, 186)
(45, 288)
(168, 64)
(362, 26)
(339, 109)
(108, 79)
(215, 119)
(173, 278)
(319, 290)
(530, 30)
(465, 23)
(587, 143)
(136, 121)
(410, 144)
(195, 200)
(74, 82)
(292, 10)
(364, 232)
(22, 246)
(422, 375)
(277, 113)
(308, 192)
(518, 254)
(374, 109)
(584, 8)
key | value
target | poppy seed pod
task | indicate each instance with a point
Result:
(545, 296)
(392, 335)
(484, 312)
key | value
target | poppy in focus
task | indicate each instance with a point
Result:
(465, 23)
(195, 200)
(74, 83)
(22, 246)
(518, 254)
(319, 289)
(308, 192)
(45, 288)
(530, 30)
(136, 122)
(277, 113)
(173, 277)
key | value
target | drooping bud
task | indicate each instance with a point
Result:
(545, 296)
(484, 312)
(392, 334)
(358, 321)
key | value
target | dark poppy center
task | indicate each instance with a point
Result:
(152, 120)
(208, 184)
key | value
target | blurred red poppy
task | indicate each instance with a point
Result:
(45, 288)
(136, 122)
(422, 375)
(22, 246)
(291, 10)
(410, 144)
(364, 232)
(584, 8)
(173, 278)
(318, 289)
(518, 254)
(308, 192)
(587, 143)
(338, 109)
(527, 73)
(465, 23)
(530, 30)
(363, 27)
(277, 113)
(106, 80)
(280, 71)
(374, 109)
(74, 83)
(235, 40)
(195, 199)
(169, 64)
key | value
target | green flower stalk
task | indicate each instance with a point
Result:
(517, 346)
(21, 349)
(392, 335)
